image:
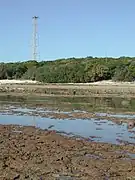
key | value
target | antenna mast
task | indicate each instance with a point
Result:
(35, 39)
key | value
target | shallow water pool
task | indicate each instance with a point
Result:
(95, 130)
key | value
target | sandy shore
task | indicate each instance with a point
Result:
(105, 82)
(29, 153)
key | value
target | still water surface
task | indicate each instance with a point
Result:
(94, 129)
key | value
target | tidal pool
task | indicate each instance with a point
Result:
(29, 112)
(93, 129)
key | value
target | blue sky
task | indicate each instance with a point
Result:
(67, 28)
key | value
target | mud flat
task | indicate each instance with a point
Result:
(30, 153)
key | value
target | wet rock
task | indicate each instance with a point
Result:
(17, 177)
(51, 156)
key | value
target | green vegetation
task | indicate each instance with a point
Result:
(72, 70)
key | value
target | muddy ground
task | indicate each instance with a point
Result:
(29, 153)
(69, 90)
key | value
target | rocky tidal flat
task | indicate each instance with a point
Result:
(31, 153)
(61, 139)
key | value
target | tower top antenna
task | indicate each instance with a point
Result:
(35, 17)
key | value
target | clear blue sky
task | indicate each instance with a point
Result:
(67, 28)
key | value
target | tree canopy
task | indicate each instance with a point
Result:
(72, 70)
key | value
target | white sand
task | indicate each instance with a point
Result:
(106, 82)
(13, 81)
(110, 82)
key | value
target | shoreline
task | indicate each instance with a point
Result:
(69, 90)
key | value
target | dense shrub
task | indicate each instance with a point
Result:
(71, 70)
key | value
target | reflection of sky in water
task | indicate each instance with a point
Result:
(131, 155)
(107, 130)
(39, 110)
(42, 110)
(127, 116)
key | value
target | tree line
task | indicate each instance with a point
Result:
(71, 70)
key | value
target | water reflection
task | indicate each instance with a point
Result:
(101, 104)
(93, 129)
(26, 112)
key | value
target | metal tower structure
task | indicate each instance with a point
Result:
(35, 39)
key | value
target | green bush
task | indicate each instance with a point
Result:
(71, 70)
